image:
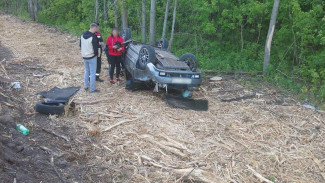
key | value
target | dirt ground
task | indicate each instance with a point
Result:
(268, 138)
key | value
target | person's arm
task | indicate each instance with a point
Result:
(100, 39)
(109, 44)
(95, 45)
(80, 41)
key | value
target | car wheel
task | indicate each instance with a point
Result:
(163, 44)
(126, 34)
(42, 107)
(147, 55)
(190, 60)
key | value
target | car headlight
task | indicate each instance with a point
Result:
(162, 73)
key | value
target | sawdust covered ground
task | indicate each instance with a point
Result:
(268, 137)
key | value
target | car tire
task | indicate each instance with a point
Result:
(147, 55)
(190, 60)
(163, 44)
(126, 34)
(49, 109)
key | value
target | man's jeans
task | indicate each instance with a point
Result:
(90, 69)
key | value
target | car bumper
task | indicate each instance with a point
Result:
(175, 79)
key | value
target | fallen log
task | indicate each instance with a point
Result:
(50, 151)
(55, 169)
(166, 146)
(78, 102)
(197, 174)
(172, 143)
(119, 123)
(256, 174)
(56, 134)
(7, 104)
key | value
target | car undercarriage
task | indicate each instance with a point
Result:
(157, 65)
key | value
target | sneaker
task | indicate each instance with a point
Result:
(95, 91)
(118, 79)
(112, 82)
(86, 89)
(99, 80)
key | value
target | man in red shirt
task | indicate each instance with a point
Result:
(115, 49)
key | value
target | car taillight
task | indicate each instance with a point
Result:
(196, 76)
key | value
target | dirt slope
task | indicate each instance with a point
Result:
(270, 134)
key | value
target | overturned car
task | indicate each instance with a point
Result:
(146, 63)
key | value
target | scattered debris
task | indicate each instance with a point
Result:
(56, 134)
(263, 179)
(22, 129)
(252, 95)
(119, 123)
(55, 169)
(309, 107)
(185, 103)
(59, 93)
(16, 85)
(39, 75)
(216, 78)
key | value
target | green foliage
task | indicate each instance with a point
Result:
(223, 34)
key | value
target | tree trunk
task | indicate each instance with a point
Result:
(96, 10)
(33, 9)
(241, 35)
(259, 30)
(30, 9)
(152, 39)
(165, 20)
(124, 16)
(295, 50)
(270, 33)
(35, 4)
(16, 7)
(7, 5)
(173, 27)
(143, 25)
(115, 16)
(139, 21)
(104, 10)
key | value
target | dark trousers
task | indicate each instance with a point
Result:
(99, 66)
(122, 64)
(115, 63)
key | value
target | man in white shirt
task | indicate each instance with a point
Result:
(89, 51)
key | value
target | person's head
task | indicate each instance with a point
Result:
(97, 26)
(115, 32)
(94, 28)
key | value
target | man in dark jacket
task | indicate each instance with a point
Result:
(89, 51)
(99, 58)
